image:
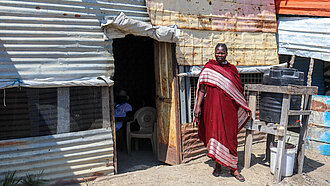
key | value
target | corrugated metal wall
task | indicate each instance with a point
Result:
(304, 36)
(57, 42)
(220, 15)
(319, 125)
(196, 47)
(247, 27)
(45, 41)
(61, 156)
(303, 7)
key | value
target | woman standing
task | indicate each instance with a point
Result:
(222, 111)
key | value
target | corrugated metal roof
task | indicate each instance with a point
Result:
(196, 47)
(62, 156)
(58, 40)
(303, 7)
(221, 15)
(304, 36)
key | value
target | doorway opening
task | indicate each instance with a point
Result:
(135, 74)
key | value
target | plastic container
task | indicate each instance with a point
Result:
(271, 106)
(283, 77)
(288, 159)
(271, 103)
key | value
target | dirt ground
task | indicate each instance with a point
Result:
(198, 172)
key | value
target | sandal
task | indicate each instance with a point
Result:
(216, 173)
(217, 170)
(239, 177)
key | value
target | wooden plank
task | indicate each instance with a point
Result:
(290, 89)
(248, 148)
(270, 139)
(299, 112)
(167, 111)
(303, 136)
(281, 139)
(293, 57)
(310, 72)
(175, 94)
(63, 110)
(261, 126)
(249, 133)
(105, 107)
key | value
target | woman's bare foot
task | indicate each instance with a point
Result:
(217, 170)
(237, 175)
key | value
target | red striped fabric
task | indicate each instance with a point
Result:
(218, 79)
(220, 152)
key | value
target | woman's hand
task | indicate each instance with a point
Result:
(249, 114)
(197, 112)
(200, 96)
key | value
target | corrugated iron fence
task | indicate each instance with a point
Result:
(61, 156)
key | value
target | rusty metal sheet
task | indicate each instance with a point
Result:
(319, 125)
(193, 148)
(63, 156)
(220, 15)
(303, 7)
(196, 47)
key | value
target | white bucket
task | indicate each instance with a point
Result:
(288, 159)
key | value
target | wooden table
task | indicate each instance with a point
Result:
(280, 129)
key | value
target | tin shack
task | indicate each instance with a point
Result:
(61, 59)
(56, 105)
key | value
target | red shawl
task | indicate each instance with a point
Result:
(224, 112)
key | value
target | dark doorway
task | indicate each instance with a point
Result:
(134, 69)
(135, 73)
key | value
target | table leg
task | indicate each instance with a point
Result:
(270, 139)
(248, 148)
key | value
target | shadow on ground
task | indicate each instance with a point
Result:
(140, 159)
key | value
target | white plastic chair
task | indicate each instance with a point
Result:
(146, 117)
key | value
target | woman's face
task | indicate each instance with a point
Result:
(220, 54)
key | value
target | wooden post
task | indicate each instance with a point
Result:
(281, 137)
(63, 110)
(183, 99)
(270, 139)
(113, 127)
(105, 107)
(188, 95)
(310, 72)
(249, 133)
(303, 135)
(293, 57)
